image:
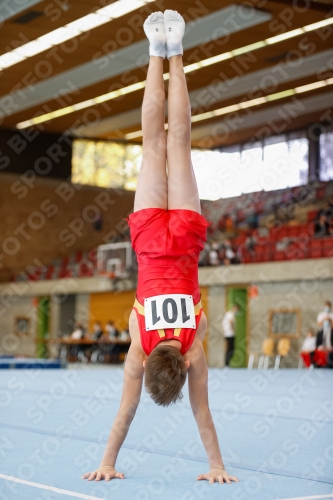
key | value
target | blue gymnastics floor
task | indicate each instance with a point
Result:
(275, 430)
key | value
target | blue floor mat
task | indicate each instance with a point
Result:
(275, 431)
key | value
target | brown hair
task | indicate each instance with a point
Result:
(165, 375)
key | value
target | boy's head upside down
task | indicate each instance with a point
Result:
(165, 374)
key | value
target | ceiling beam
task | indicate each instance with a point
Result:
(129, 58)
(266, 117)
(219, 92)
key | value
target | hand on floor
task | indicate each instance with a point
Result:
(218, 475)
(105, 472)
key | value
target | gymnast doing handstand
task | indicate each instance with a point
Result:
(167, 323)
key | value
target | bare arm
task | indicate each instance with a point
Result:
(133, 375)
(198, 392)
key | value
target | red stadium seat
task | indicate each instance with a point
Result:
(284, 232)
(246, 256)
(293, 231)
(278, 255)
(315, 249)
(312, 215)
(327, 247)
(303, 230)
(49, 273)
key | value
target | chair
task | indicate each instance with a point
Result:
(279, 255)
(283, 348)
(267, 351)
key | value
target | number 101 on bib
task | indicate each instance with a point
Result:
(169, 311)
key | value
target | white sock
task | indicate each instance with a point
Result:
(174, 32)
(155, 32)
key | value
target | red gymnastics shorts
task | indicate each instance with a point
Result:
(167, 244)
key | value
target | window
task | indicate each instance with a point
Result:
(281, 163)
(326, 156)
(106, 164)
(277, 165)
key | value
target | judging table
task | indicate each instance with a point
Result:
(110, 347)
(70, 341)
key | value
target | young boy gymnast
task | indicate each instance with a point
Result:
(167, 324)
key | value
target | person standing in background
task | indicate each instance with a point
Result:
(325, 334)
(228, 327)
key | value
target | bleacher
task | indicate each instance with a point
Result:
(292, 237)
(285, 243)
(291, 240)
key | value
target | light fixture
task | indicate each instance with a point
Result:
(188, 69)
(138, 133)
(10, 58)
(248, 104)
(70, 30)
(284, 36)
(318, 25)
(59, 35)
(280, 95)
(310, 86)
(31, 49)
(81, 105)
(88, 22)
(118, 9)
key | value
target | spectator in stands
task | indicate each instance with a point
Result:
(222, 223)
(230, 254)
(250, 243)
(309, 347)
(204, 255)
(229, 224)
(325, 334)
(252, 220)
(111, 330)
(228, 327)
(328, 212)
(321, 224)
(221, 254)
(214, 255)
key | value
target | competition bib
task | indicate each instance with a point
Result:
(169, 311)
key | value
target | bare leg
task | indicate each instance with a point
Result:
(182, 186)
(152, 186)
